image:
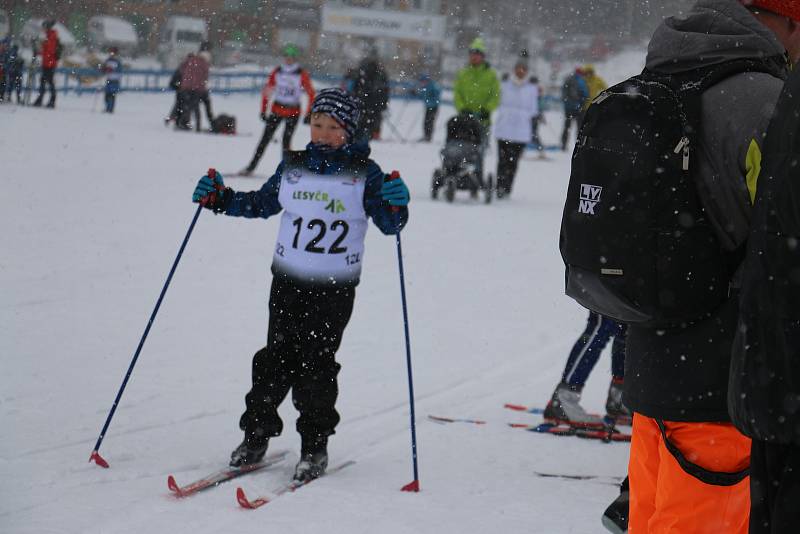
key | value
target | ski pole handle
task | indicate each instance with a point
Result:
(394, 176)
(212, 173)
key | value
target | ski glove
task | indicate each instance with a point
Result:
(395, 192)
(212, 194)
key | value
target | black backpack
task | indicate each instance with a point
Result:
(635, 239)
(224, 124)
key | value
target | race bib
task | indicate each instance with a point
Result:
(287, 88)
(323, 225)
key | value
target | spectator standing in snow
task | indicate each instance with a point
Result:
(519, 103)
(5, 49)
(688, 463)
(765, 367)
(430, 93)
(194, 81)
(204, 95)
(51, 53)
(476, 90)
(594, 83)
(15, 70)
(315, 273)
(538, 119)
(574, 95)
(285, 87)
(175, 85)
(113, 71)
(370, 84)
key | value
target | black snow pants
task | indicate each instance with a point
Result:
(774, 488)
(272, 123)
(508, 153)
(44, 82)
(430, 120)
(305, 330)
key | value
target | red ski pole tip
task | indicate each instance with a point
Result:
(411, 486)
(96, 458)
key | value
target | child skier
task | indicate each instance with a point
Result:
(326, 192)
(113, 71)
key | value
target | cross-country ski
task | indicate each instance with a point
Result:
(294, 485)
(224, 475)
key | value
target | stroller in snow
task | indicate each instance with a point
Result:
(462, 157)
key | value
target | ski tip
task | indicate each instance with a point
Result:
(244, 502)
(411, 486)
(99, 460)
(517, 407)
(519, 425)
(173, 486)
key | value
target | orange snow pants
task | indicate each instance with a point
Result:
(664, 499)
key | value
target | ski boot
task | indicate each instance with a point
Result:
(615, 518)
(564, 408)
(249, 452)
(615, 409)
(313, 459)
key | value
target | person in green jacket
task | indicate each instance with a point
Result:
(476, 90)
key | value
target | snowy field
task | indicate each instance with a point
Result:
(95, 209)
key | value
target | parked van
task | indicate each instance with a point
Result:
(178, 37)
(5, 24)
(105, 31)
(33, 31)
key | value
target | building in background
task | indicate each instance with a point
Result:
(410, 36)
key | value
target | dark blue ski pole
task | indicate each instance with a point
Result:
(414, 484)
(95, 457)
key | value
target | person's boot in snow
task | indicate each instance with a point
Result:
(564, 407)
(615, 518)
(313, 459)
(249, 452)
(614, 407)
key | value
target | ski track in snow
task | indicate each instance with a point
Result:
(100, 206)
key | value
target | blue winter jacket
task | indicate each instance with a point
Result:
(264, 202)
(430, 94)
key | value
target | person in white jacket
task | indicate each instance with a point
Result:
(519, 103)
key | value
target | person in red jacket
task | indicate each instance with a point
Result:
(50, 57)
(284, 85)
(194, 82)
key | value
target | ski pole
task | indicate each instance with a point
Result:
(95, 457)
(413, 485)
(395, 131)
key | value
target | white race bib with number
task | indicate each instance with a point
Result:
(288, 88)
(321, 238)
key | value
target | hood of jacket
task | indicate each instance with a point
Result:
(713, 32)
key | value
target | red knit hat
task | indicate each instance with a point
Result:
(787, 8)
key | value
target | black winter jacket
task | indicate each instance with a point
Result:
(764, 390)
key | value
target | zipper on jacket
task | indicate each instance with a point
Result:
(683, 144)
(602, 96)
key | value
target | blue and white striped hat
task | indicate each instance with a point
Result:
(341, 105)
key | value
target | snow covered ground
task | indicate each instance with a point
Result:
(95, 209)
